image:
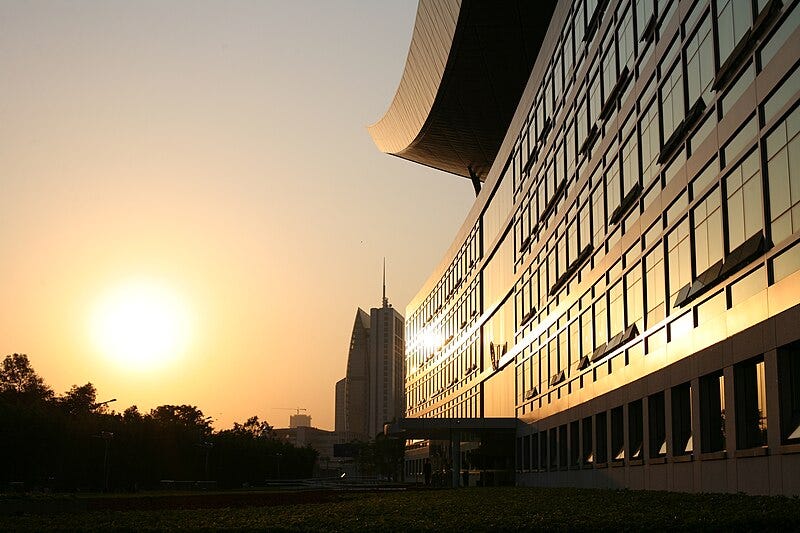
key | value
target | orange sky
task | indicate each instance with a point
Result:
(219, 149)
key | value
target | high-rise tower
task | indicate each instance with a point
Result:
(374, 390)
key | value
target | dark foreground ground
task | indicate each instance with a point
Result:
(434, 510)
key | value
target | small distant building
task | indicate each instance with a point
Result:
(298, 420)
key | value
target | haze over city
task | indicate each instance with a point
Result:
(203, 172)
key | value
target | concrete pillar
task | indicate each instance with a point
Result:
(455, 453)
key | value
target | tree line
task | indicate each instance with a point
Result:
(73, 442)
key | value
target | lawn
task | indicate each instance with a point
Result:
(449, 510)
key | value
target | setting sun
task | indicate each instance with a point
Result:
(141, 324)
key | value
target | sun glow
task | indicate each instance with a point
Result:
(141, 325)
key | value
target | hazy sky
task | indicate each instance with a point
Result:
(218, 150)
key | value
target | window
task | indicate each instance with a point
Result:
(712, 413)
(600, 321)
(682, 419)
(543, 450)
(654, 285)
(633, 295)
(657, 427)
(635, 433)
(598, 216)
(630, 165)
(751, 404)
(562, 446)
(789, 391)
(616, 308)
(678, 260)
(734, 18)
(625, 39)
(601, 433)
(574, 443)
(700, 63)
(553, 448)
(617, 435)
(707, 229)
(783, 172)
(644, 11)
(613, 187)
(609, 73)
(672, 104)
(535, 452)
(586, 453)
(648, 135)
(744, 205)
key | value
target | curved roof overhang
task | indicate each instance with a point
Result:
(467, 66)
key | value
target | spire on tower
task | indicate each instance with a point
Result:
(385, 299)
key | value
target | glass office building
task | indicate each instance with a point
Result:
(627, 283)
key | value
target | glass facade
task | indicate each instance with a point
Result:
(647, 209)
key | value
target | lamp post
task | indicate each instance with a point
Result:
(106, 436)
(100, 404)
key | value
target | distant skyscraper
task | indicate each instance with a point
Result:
(341, 398)
(387, 371)
(374, 386)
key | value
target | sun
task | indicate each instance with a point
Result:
(141, 324)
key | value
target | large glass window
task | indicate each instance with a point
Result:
(609, 74)
(712, 412)
(598, 215)
(625, 39)
(600, 321)
(783, 172)
(682, 419)
(672, 104)
(630, 165)
(635, 430)
(644, 11)
(633, 295)
(744, 201)
(587, 454)
(595, 99)
(648, 135)
(707, 226)
(750, 395)
(678, 259)
(617, 435)
(613, 187)
(734, 18)
(654, 285)
(700, 63)
(601, 434)
(656, 425)
(616, 308)
(789, 389)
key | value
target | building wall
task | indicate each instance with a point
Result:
(357, 387)
(340, 423)
(642, 218)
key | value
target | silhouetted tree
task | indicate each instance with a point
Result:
(81, 399)
(17, 376)
(61, 442)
